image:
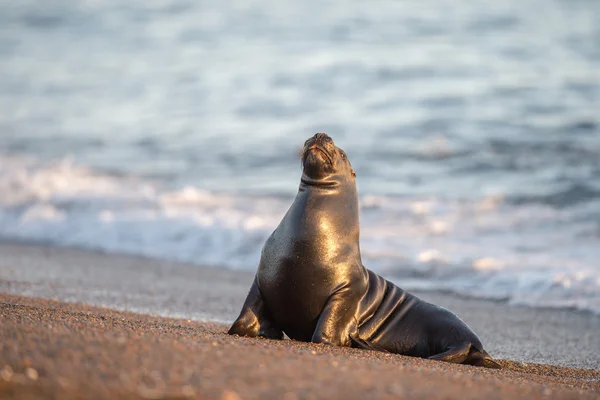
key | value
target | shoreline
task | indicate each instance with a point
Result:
(177, 290)
(103, 253)
(63, 350)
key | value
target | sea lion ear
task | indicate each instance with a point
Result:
(353, 173)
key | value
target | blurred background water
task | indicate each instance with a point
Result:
(172, 129)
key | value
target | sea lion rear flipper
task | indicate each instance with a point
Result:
(457, 354)
(482, 359)
(489, 362)
(254, 319)
(467, 354)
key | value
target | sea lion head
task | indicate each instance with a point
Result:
(323, 161)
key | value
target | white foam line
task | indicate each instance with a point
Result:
(470, 246)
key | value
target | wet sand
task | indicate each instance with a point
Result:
(51, 349)
(179, 290)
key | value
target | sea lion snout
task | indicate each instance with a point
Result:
(320, 149)
(323, 137)
(321, 140)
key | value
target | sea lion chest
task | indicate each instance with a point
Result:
(302, 263)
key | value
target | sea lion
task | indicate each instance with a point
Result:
(312, 285)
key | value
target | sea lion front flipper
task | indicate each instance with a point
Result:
(254, 319)
(457, 354)
(337, 322)
(363, 344)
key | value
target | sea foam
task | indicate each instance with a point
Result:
(489, 248)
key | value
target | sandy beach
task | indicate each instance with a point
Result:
(59, 350)
(77, 324)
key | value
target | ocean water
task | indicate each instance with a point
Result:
(172, 129)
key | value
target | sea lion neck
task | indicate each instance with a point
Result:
(308, 182)
(325, 210)
(331, 195)
(336, 181)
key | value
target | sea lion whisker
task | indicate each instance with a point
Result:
(328, 157)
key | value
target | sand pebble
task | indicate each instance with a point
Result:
(188, 391)
(63, 382)
(6, 373)
(397, 390)
(156, 376)
(230, 395)
(31, 374)
(149, 393)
